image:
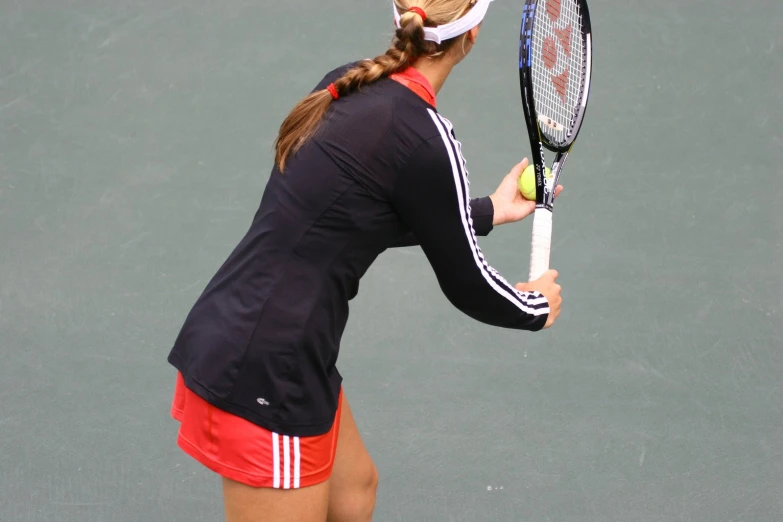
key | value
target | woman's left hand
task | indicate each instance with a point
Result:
(510, 205)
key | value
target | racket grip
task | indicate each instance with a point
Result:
(542, 241)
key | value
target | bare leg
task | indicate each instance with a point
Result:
(248, 504)
(354, 477)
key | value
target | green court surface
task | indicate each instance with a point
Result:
(135, 141)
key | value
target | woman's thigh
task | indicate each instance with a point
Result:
(250, 504)
(354, 478)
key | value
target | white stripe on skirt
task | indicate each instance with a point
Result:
(286, 466)
(286, 463)
(276, 459)
(296, 462)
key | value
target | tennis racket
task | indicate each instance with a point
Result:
(555, 59)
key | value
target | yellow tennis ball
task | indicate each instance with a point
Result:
(527, 182)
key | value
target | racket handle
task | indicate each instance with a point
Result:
(542, 241)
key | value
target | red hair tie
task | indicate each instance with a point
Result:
(419, 11)
(333, 91)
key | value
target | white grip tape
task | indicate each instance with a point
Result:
(542, 241)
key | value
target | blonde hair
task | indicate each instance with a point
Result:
(407, 46)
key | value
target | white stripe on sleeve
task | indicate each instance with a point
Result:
(528, 302)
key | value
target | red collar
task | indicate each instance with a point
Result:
(415, 81)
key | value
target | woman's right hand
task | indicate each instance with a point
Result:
(547, 286)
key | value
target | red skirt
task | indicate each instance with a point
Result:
(245, 452)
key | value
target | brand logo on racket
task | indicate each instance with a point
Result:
(549, 48)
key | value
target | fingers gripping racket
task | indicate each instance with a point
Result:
(555, 59)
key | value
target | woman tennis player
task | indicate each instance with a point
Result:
(364, 163)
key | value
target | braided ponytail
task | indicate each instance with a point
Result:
(407, 46)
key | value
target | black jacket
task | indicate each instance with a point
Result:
(383, 170)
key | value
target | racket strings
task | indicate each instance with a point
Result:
(557, 67)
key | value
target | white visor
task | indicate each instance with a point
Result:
(451, 30)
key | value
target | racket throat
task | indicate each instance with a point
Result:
(550, 185)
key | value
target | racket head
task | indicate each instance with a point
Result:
(555, 69)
